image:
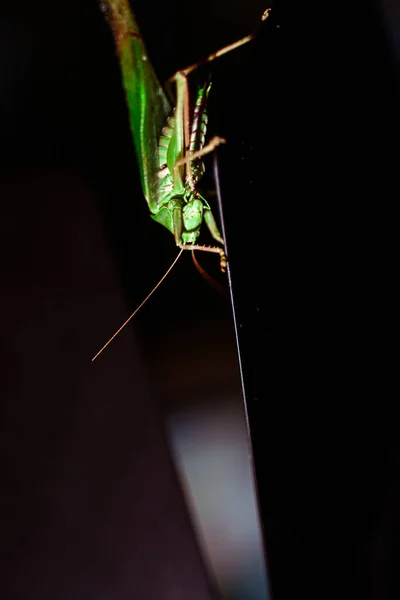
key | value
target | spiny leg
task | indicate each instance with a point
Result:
(214, 249)
(183, 91)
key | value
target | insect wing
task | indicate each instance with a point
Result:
(148, 105)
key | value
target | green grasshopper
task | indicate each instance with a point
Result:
(169, 142)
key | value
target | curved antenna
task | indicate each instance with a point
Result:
(138, 308)
(210, 280)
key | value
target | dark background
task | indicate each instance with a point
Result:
(309, 111)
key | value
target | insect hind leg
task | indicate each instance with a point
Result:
(226, 49)
(210, 147)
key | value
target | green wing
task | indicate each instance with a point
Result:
(147, 102)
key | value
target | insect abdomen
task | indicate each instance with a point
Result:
(199, 130)
(165, 182)
(197, 141)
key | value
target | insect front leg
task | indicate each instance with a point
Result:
(210, 147)
(223, 261)
(212, 226)
(228, 48)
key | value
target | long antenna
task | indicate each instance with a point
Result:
(139, 307)
(213, 282)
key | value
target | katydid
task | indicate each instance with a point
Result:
(169, 142)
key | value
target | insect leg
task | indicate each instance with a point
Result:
(212, 226)
(210, 147)
(176, 207)
(226, 49)
(214, 249)
(183, 123)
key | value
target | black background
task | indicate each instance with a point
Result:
(309, 111)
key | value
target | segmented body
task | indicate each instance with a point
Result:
(168, 174)
(165, 180)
